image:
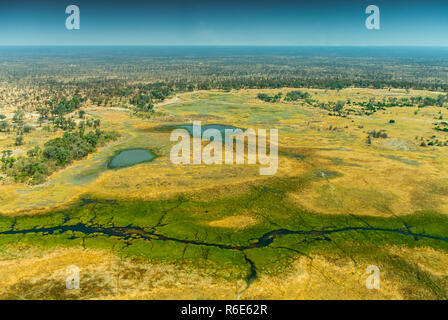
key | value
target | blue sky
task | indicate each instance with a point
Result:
(131, 22)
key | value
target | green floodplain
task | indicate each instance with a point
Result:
(174, 231)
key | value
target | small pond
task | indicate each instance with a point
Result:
(127, 158)
(189, 127)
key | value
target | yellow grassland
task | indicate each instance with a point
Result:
(393, 176)
(383, 178)
(30, 273)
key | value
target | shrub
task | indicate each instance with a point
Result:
(19, 140)
(27, 129)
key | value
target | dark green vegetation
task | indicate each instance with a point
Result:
(267, 98)
(177, 231)
(131, 77)
(58, 108)
(434, 140)
(75, 144)
(367, 108)
(189, 68)
(442, 126)
(296, 95)
(374, 105)
(291, 96)
(56, 154)
(360, 108)
(149, 94)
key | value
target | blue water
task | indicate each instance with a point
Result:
(127, 158)
(220, 127)
(189, 127)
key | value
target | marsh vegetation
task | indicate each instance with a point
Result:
(362, 177)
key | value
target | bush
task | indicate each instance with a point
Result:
(267, 98)
(27, 129)
(18, 116)
(378, 134)
(295, 95)
(4, 126)
(19, 140)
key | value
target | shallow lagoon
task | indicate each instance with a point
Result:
(189, 127)
(127, 158)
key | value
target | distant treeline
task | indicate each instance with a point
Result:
(309, 83)
(142, 97)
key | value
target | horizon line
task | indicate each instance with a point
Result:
(225, 45)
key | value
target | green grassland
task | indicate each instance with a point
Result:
(176, 231)
(335, 198)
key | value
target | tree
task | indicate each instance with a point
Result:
(96, 123)
(18, 116)
(4, 126)
(6, 159)
(43, 113)
(339, 106)
(82, 128)
(19, 140)
(33, 152)
(27, 129)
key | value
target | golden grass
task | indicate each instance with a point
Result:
(234, 222)
(321, 278)
(31, 273)
(379, 179)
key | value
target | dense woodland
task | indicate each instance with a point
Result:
(140, 77)
(56, 154)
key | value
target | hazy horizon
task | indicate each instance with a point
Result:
(229, 23)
